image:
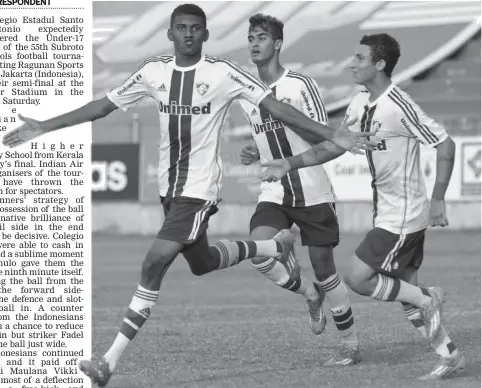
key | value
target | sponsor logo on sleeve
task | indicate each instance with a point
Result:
(134, 80)
(242, 83)
(307, 104)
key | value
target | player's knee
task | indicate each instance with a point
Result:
(200, 269)
(355, 282)
(155, 260)
(202, 264)
(347, 278)
(150, 264)
(360, 276)
(359, 283)
(202, 261)
(263, 233)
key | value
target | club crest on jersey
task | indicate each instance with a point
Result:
(376, 126)
(202, 88)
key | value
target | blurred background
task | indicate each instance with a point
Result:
(439, 67)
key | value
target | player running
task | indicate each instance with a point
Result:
(304, 197)
(386, 263)
(193, 93)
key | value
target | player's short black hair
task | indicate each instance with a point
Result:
(189, 9)
(383, 46)
(268, 23)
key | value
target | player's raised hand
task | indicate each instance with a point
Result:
(354, 142)
(30, 129)
(249, 154)
(438, 215)
(275, 170)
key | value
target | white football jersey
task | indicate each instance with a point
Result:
(275, 140)
(400, 202)
(192, 104)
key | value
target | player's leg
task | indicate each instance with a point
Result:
(322, 259)
(157, 261)
(160, 256)
(320, 232)
(267, 221)
(451, 358)
(203, 258)
(278, 273)
(376, 267)
(199, 256)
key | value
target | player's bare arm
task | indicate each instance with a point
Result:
(318, 154)
(31, 129)
(445, 166)
(355, 142)
(308, 137)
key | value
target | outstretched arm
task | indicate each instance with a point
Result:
(30, 129)
(92, 111)
(445, 166)
(318, 154)
(355, 142)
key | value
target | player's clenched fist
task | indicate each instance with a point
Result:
(275, 170)
(249, 154)
(438, 215)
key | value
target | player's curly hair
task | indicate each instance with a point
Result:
(267, 23)
(189, 9)
(383, 47)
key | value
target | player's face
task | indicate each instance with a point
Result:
(188, 34)
(261, 45)
(361, 65)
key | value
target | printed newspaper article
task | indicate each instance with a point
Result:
(45, 310)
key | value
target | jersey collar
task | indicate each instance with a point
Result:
(387, 90)
(279, 80)
(195, 66)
